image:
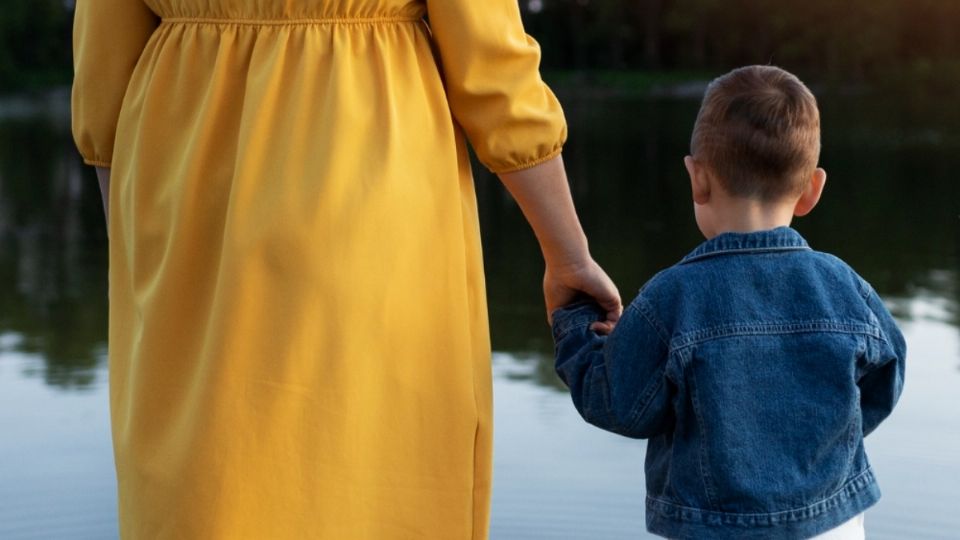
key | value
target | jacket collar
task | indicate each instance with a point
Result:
(779, 239)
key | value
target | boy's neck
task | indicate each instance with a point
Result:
(743, 215)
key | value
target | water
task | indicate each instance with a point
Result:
(891, 209)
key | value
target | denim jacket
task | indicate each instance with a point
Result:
(755, 367)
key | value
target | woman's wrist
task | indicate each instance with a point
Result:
(568, 258)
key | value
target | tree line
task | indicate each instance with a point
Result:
(35, 43)
(826, 40)
(852, 40)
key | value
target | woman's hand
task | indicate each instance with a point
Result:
(562, 285)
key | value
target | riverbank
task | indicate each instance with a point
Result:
(53, 103)
(627, 83)
(923, 84)
(920, 83)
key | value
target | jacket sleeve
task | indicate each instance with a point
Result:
(108, 37)
(493, 84)
(881, 378)
(618, 382)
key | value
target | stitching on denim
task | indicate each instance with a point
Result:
(866, 350)
(645, 309)
(863, 287)
(568, 324)
(696, 337)
(854, 436)
(733, 251)
(868, 291)
(876, 359)
(611, 417)
(643, 403)
(581, 321)
(848, 490)
(704, 459)
(638, 402)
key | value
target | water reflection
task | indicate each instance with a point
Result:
(891, 209)
(52, 251)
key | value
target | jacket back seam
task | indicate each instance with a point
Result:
(696, 337)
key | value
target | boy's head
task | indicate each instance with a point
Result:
(756, 141)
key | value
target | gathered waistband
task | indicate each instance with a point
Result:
(295, 22)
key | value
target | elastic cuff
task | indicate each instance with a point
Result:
(575, 316)
(96, 162)
(529, 164)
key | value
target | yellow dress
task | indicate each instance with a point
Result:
(298, 339)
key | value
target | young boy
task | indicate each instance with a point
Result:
(755, 366)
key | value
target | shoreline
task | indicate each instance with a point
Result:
(53, 102)
(627, 84)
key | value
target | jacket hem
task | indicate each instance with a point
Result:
(676, 521)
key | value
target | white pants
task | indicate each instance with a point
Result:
(851, 530)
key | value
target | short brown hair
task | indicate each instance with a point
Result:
(758, 130)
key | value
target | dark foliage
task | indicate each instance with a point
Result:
(855, 41)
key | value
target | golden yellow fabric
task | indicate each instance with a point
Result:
(298, 333)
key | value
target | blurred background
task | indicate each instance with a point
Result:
(629, 74)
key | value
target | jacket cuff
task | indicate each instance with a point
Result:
(575, 316)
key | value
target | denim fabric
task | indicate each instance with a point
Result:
(755, 366)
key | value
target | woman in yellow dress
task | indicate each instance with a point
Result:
(298, 337)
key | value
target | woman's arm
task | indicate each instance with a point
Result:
(103, 175)
(491, 74)
(544, 197)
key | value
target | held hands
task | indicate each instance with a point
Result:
(562, 284)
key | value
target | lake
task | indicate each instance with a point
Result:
(891, 209)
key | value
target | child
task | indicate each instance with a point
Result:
(755, 365)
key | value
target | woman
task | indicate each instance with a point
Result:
(298, 334)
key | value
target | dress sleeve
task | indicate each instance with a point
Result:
(108, 37)
(491, 72)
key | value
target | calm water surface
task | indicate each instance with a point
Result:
(892, 210)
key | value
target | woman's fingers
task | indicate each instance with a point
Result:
(603, 328)
(605, 293)
(562, 288)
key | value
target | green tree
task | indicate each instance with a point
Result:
(34, 43)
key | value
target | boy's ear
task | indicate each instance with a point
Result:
(811, 195)
(699, 182)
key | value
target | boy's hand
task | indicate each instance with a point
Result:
(561, 285)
